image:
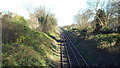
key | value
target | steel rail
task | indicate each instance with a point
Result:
(76, 50)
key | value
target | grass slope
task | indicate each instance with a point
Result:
(23, 46)
(97, 49)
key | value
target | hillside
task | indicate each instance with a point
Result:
(98, 49)
(23, 46)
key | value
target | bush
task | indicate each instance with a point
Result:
(105, 30)
(108, 41)
(22, 46)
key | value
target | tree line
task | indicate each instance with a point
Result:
(100, 14)
(40, 19)
(26, 42)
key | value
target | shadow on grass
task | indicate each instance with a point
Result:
(94, 55)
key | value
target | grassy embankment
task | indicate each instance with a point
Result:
(97, 49)
(22, 46)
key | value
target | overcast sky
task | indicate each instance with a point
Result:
(64, 10)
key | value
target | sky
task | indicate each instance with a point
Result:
(64, 10)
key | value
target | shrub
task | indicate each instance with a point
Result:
(23, 46)
(105, 30)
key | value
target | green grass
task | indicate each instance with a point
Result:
(108, 41)
(100, 49)
(28, 48)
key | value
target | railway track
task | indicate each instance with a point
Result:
(70, 56)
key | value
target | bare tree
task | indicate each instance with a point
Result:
(46, 21)
(28, 7)
(83, 17)
(95, 6)
(113, 14)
